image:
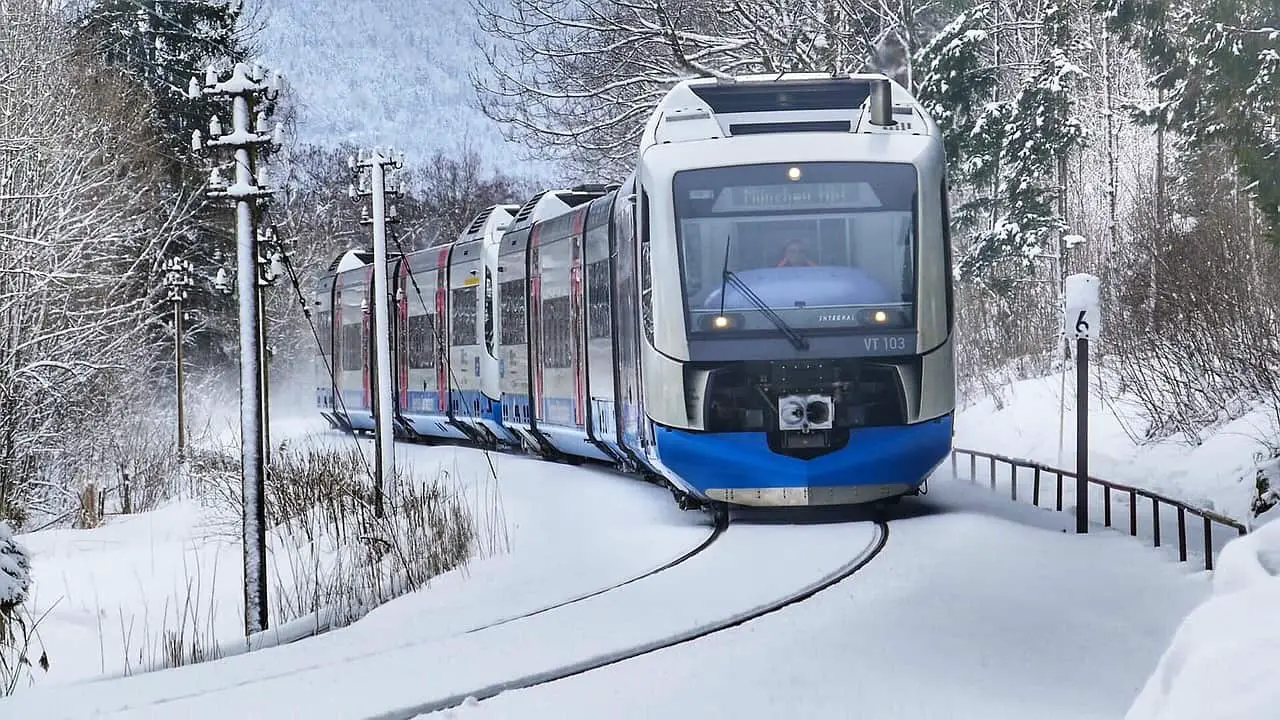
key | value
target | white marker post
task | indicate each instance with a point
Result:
(1082, 319)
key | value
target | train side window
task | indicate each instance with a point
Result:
(324, 328)
(421, 345)
(511, 301)
(352, 355)
(488, 310)
(463, 301)
(556, 349)
(599, 324)
(646, 272)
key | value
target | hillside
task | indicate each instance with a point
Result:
(389, 72)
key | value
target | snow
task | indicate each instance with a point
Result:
(1222, 661)
(390, 72)
(1216, 473)
(977, 607)
(15, 569)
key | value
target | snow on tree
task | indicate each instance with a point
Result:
(15, 572)
(1217, 65)
(80, 234)
(1003, 153)
(578, 80)
(161, 45)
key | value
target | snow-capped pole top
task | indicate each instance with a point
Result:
(714, 108)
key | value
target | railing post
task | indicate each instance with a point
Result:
(1059, 474)
(1013, 482)
(1208, 544)
(1035, 491)
(1133, 512)
(993, 473)
(1106, 499)
(1155, 519)
(954, 473)
(973, 468)
(1182, 534)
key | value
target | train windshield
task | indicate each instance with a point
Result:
(817, 246)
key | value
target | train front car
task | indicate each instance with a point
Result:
(794, 292)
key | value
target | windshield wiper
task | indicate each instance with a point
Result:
(729, 276)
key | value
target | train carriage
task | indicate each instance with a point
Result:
(347, 299)
(522, 361)
(761, 314)
(476, 397)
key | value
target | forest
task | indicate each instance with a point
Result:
(1138, 140)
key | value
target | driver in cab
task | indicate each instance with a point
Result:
(794, 255)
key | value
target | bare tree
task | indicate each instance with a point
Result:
(79, 240)
(577, 80)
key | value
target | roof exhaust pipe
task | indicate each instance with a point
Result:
(881, 103)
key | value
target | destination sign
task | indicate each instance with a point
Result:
(807, 196)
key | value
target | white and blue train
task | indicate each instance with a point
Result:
(761, 314)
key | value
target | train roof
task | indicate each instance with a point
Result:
(489, 223)
(713, 108)
(551, 203)
(350, 260)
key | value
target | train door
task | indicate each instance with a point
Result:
(625, 317)
(598, 330)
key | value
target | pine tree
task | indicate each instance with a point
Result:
(1003, 154)
(161, 45)
(1217, 64)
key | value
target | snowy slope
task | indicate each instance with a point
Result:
(1216, 474)
(390, 72)
(113, 591)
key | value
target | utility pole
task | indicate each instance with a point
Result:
(178, 281)
(246, 85)
(377, 163)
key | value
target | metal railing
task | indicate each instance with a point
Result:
(1109, 489)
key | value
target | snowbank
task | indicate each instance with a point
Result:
(1224, 659)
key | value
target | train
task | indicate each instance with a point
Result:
(761, 314)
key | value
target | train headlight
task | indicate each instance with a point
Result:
(716, 323)
(885, 318)
(793, 174)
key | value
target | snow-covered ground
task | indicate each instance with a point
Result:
(975, 607)
(1216, 474)
(112, 592)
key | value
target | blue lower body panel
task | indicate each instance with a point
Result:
(740, 468)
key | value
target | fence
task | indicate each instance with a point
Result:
(1108, 490)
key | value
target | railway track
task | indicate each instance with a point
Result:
(840, 574)
(720, 524)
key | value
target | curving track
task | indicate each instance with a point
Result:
(548, 676)
(721, 523)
